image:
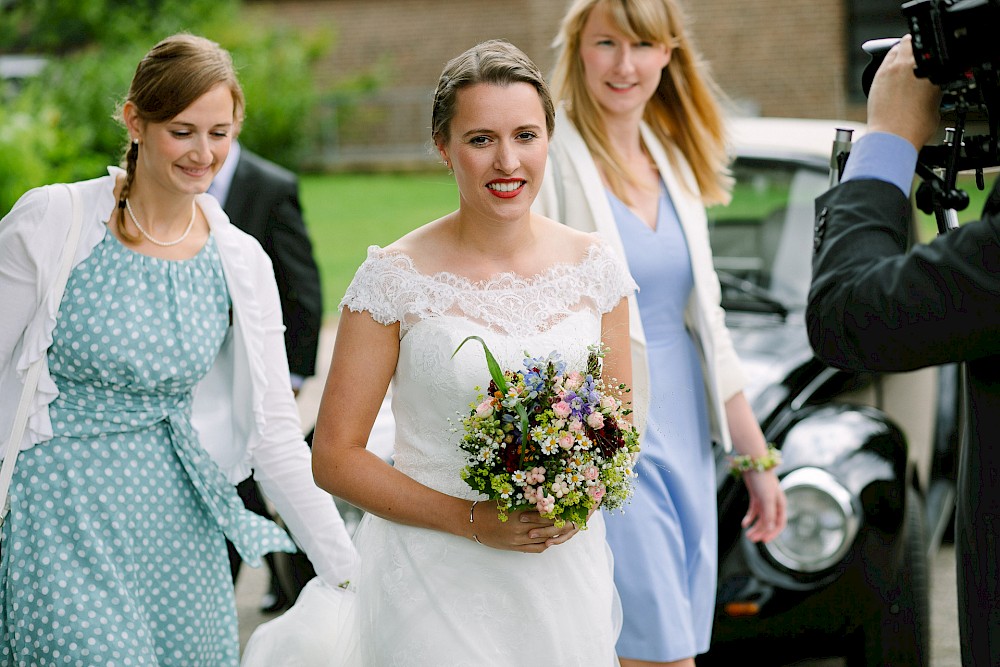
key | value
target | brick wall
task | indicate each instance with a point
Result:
(779, 57)
(771, 57)
(415, 38)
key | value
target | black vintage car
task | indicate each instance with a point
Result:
(869, 460)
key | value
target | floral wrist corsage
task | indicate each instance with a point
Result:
(746, 463)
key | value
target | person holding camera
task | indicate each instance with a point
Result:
(875, 306)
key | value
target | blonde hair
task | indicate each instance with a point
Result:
(684, 112)
(175, 73)
(495, 62)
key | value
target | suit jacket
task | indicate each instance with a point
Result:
(875, 306)
(572, 192)
(263, 201)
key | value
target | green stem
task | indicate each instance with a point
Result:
(497, 374)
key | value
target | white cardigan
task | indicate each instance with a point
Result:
(573, 193)
(244, 410)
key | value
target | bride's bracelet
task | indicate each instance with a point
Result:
(472, 518)
(746, 463)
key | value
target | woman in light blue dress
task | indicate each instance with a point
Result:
(638, 155)
(679, 528)
(163, 383)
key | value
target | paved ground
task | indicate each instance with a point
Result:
(944, 640)
(944, 623)
(944, 611)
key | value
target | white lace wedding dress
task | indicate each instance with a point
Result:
(426, 598)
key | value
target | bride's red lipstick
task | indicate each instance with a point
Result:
(503, 188)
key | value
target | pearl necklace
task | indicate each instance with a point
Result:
(163, 244)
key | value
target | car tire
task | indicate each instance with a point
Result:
(900, 635)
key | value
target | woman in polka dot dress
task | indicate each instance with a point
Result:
(166, 383)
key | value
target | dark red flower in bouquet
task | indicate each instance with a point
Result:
(512, 455)
(608, 438)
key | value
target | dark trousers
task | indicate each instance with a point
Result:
(253, 501)
(296, 568)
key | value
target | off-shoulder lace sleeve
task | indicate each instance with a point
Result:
(376, 286)
(610, 279)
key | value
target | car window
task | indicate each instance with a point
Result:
(764, 236)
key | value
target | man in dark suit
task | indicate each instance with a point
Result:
(262, 199)
(875, 306)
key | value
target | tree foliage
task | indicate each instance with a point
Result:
(60, 126)
(62, 27)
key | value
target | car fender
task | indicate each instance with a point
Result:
(860, 446)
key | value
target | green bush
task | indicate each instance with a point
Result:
(22, 144)
(62, 27)
(38, 146)
(60, 126)
(275, 66)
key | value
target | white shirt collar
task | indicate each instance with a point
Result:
(224, 179)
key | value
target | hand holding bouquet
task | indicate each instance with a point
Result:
(549, 439)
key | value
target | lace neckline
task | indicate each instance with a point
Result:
(506, 280)
(391, 289)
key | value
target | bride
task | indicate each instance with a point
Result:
(443, 581)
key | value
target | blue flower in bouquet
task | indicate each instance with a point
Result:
(550, 439)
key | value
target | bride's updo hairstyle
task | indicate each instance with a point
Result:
(168, 79)
(495, 62)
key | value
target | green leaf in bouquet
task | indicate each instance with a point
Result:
(594, 365)
(497, 374)
(577, 514)
(495, 371)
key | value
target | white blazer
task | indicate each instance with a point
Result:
(244, 410)
(573, 193)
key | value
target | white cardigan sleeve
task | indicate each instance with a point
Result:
(281, 459)
(30, 250)
(20, 270)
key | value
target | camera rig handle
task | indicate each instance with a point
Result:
(838, 157)
(937, 192)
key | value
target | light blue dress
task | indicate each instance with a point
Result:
(665, 543)
(114, 550)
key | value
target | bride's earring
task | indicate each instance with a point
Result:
(444, 157)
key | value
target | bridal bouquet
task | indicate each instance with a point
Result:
(550, 439)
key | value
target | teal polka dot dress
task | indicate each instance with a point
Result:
(114, 549)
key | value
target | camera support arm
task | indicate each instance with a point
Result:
(938, 167)
(937, 193)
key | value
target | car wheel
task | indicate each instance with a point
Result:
(900, 634)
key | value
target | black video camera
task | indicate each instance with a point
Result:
(956, 47)
(955, 44)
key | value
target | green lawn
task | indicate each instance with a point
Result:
(346, 213)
